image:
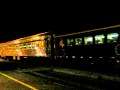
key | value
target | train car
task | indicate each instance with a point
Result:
(90, 49)
(38, 45)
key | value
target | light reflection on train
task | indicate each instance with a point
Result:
(35, 45)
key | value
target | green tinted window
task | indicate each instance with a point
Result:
(88, 40)
(78, 41)
(99, 39)
(112, 37)
(70, 42)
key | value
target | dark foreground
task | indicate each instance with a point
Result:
(48, 78)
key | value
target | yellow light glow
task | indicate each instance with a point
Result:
(16, 41)
(37, 37)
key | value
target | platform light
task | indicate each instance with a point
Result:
(90, 57)
(24, 57)
(73, 56)
(91, 63)
(81, 56)
(118, 61)
(100, 57)
(112, 57)
(66, 56)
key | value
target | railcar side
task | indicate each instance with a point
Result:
(91, 49)
(38, 45)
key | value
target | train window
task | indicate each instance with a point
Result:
(78, 41)
(9, 48)
(37, 45)
(88, 40)
(6, 48)
(20, 46)
(33, 44)
(70, 42)
(12, 47)
(24, 46)
(99, 39)
(112, 37)
(29, 45)
(16, 47)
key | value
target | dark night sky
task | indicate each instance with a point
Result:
(16, 24)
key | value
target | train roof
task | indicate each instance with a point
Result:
(97, 29)
(27, 37)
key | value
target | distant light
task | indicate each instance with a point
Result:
(73, 56)
(81, 57)
(112, 57)
(100, 57)
(66, 56)
(118, 61)
(90, 57)
(91, 63)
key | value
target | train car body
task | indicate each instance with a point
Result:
(38, 45)
(88, 49)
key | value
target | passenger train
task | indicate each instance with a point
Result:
(91, 49)
(32, 46)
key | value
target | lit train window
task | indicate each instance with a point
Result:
(88, 40)
(6, 48)
(70, 42)
(99, 39)
(33, 46)
(112, 37)
(9, 48)
(37, 45)
(24, 46)
(78, 41)
(20, 46)
(12, 47)
(29, 45)
(16, 47)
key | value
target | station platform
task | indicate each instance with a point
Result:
(68, 71)
(88, 74)
(75, 78)
(75, 72)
